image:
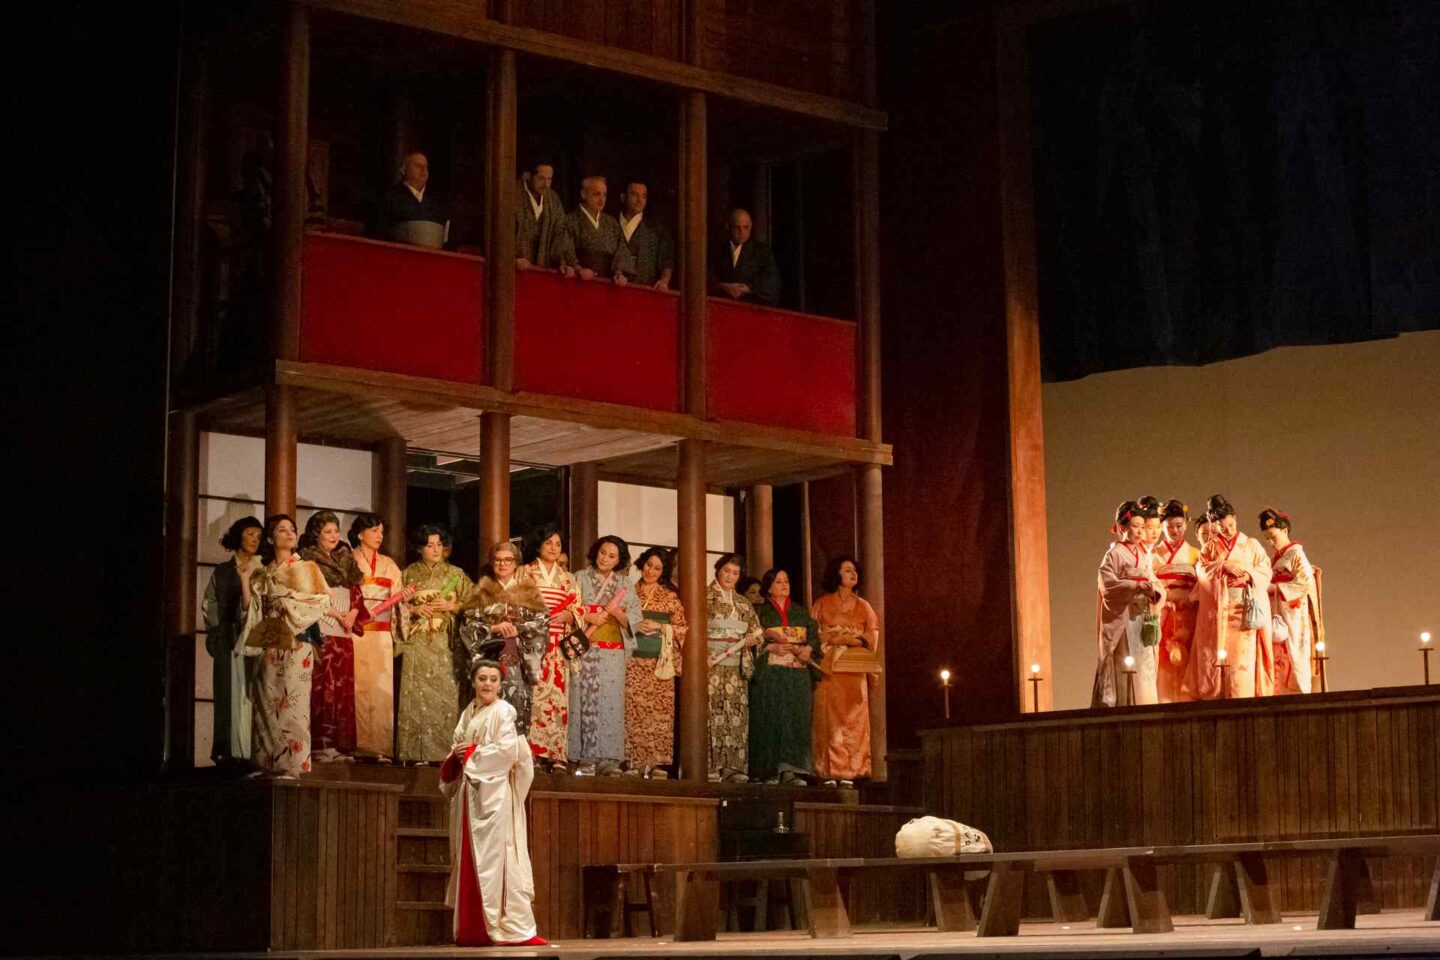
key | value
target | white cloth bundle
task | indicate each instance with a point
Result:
(936, 837)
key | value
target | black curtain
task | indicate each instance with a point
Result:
(1213, 180)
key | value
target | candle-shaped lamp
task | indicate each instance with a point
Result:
(1320, 659)
(945, 685)
(1034, 688)
(1425, 654)
(1130, 680)
(1223, 658)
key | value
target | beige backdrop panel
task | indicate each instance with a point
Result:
(1343, 438)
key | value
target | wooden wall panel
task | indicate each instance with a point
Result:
(805, 44)
(644, 26)
(846, 830)
(1291, 768)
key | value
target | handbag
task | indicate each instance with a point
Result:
(1253, 616)
(647, 645)
(1150, 630)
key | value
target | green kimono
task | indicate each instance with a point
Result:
(780, 696)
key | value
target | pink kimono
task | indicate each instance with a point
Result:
(1125, 582)
(1295, 620)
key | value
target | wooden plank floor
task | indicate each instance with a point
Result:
(1393, 933)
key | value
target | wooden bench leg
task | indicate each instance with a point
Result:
(1337, 908)
(1365, 899)
(1224, 900)
(799, 919)
(619, 918)
(1067, 902)
(1000, 917)
(1257, 902)
(762, 905)
(824, 906)
(696, 905)
(1432, 904)
(1149, 912)
(647, 904)
(951, 901)
(1114, 906)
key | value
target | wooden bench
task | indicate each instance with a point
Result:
(1131, 897)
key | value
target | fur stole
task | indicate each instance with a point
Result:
(488, 593)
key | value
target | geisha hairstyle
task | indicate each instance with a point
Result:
(1125, 511)
(233, 537)
(666, 564)
(539, 535)
(361, 523)
(1149, 506)
(1219, 507)
(621, 547)
(830, 579)
(1173, 509)
(1270, 517)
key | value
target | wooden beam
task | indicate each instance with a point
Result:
(866, 203)
(500, 232)
(870, 505)
(467, 21)
(760, 528)
(693, 167)
(494, 478)
(280, 452)
(1031, 574)
(694, 682)
(388, 495)
(584, 506)
(182, 499)
(292, 122)
(190, 206)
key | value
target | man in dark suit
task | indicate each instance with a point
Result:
(649, 244)
(409, 199)
(744, 269)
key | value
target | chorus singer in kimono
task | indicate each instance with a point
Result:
(486, 777)
(1127, 593)
(381, 583)
(550, 699)
(733, 632)
(849, 659)
(505, 620)
(595, 244)
(284, 600)
(650, 245)
(1176, 562)
(786, 667)
(332, 697)
(1295, 621)
(540, 231)
(224, 610)
(654, 665)
(597, 692)
(1234, 613)
(428, 687)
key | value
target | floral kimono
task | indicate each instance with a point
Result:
(519, 603)
(780, 694)
(597, 693)
(1123, 584)
(332, 696)
(732, 632)
(429, 692)
(650, 678)
(1177, 567)
(1295, 622)
(1220, 623)
(550, 699)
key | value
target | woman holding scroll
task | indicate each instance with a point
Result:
(732, 633)
(597, 696)
(786, 666)
(332, 690)
(849, 646)
(381, 588)
(650, 674)
(550, 698)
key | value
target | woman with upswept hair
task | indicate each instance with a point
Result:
(429, 690)
(332, 697)
(650, 674)
(1234, 582)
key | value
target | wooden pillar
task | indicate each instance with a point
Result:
(402, 132)
(760, 529)
(694, 684)
(182, 495)
(870, 503)
(500, 221)
(388, 490)
(280, 450)
(494, 479)
(692, 253)
(584, 507)
(291, 158)
(190, 208)
(1029, 548)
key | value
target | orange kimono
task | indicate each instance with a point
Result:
(1219, 623)
(1176, 564)
(849, 641)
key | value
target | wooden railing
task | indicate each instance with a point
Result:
(403, 309)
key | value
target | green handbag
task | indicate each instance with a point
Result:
(1150, 630)
(647, 645)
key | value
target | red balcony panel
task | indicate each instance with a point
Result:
(781, 369)
(395, 308)
(592, 340)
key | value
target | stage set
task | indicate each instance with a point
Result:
(1306, 825)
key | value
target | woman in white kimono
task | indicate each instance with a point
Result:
(1234, 572)
(1127, 591)
(284, 601)
(597, 693)
(1294, 604)
(486, 778)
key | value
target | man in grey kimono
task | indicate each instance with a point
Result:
(649, 244)
(540, 235)
(596, 245)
